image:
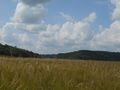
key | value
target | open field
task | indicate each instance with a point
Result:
(36, 74)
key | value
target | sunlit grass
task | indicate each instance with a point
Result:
(38, 74)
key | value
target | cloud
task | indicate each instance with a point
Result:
(33, 2)
(1, 35)
(109, 38)
(116, 12)
(91, 17)
(66, 37)
(66, 17)
(48, 38)
(27, 14)
(27, 30)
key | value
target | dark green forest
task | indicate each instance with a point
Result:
(7, 50)
(91, 55)
(87, 55)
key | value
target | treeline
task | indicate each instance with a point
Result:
(87, 55)
(7, 50)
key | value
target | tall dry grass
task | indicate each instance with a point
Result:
(38, 74)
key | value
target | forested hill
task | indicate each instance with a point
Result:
(7, 50)
(88, 55)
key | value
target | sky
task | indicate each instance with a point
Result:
(56, 26)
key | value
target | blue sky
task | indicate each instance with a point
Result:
(7, 8)
(76, 8)
(79, 9)
(45, 24)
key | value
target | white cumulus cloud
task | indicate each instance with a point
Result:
(66, 17)
(109, 38)
(33, 2)
(27, 30)
(28, 14)
(48, 38)
(116, 12)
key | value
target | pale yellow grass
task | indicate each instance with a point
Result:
(48, 74)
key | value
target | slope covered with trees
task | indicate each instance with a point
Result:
(7, 50)
(91, 55)
(88, 55)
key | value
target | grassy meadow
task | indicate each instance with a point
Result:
(46, 74)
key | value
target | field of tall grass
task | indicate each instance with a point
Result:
(46, 74)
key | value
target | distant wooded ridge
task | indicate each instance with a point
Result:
(7, 50)
(88, 55)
